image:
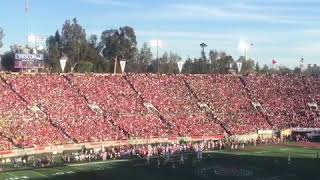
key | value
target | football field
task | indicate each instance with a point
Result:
(267, 162)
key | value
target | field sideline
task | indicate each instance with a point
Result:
(258, 163)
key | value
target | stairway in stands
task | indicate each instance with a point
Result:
(210, 114)
(42, 110)
(142, 101)
(9, 139)
(105, 115)
(253, 99)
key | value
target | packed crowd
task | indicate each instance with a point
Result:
(42, 109)
(63, 108)
(288, 101)
(20, 126)
(171, 97)
(229, 101)
(115, 96)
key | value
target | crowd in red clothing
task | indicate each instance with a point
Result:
(288, 101)
(115, 96)
(175, 102)
(228, 99)
(20, 126)
(63, 107)
(42, 109)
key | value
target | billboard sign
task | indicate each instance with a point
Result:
(36, 39)
(28, 57)
(29, 61)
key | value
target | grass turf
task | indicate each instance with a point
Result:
(256, 163)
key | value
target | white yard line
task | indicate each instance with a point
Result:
(12, 175)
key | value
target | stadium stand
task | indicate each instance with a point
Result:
(229, 101)
(286, 98)
(22, 127)
(115, 97)
(175, 103)
(43, 109)
(64, 107)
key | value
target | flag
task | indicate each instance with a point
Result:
(180, 66)
(123, 65)
(274, 62)
(27, 7)
(239, 65)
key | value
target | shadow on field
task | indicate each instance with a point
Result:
(212, 166)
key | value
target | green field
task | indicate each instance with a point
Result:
(256, 163)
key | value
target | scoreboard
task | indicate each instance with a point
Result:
(29, 61)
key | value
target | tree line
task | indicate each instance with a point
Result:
(100, 54)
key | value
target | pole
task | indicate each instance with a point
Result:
(115, 65)
(158, 56)
(251, 45)
(189, 64)
(204, 60)
(27, 18)
(211, 61)
(245, 54)
(72, 68)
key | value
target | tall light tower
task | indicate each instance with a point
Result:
(158, 44)
(250, 46)
(26, 7)
(301, 64)
(203, 45)
(244, 47)
(203, 54)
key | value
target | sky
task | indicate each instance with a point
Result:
(284, 30)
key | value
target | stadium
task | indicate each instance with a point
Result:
(55, 120)
(76, 103)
